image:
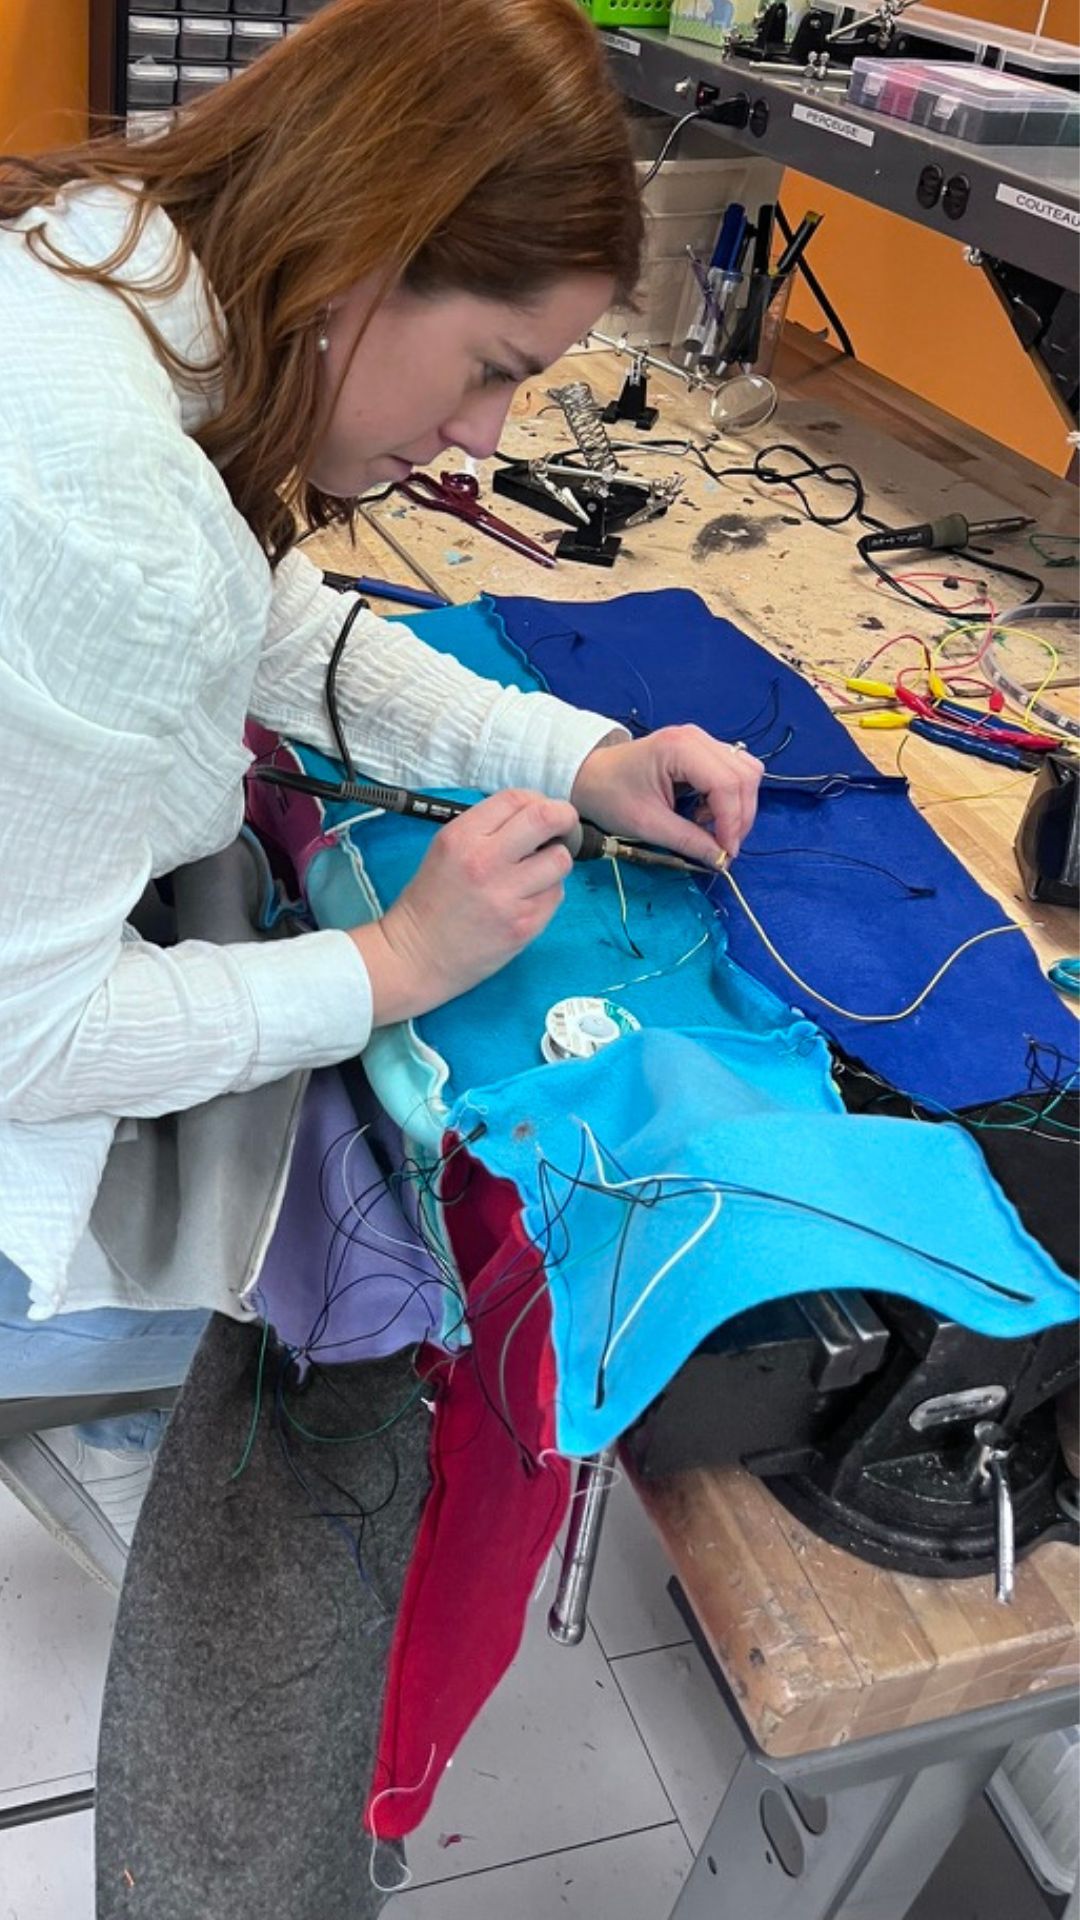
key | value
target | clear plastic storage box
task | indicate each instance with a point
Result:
(205, 37)
(252, 37)
(153, 35)
(151, 83)
(977, 104)
(195, 81)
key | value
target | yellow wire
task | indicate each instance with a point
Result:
(868, 1019)
(940, 800)
(624, 912)
(988, 793)
(1023, 633)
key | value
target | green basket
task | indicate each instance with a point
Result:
(628, 13)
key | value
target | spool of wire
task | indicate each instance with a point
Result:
(578, 1028)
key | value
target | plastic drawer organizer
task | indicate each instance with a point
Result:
(179, 50)
(975, 104)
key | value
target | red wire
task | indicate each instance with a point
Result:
(980, 599)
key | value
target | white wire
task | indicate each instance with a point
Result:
(641, 1180)
(386, 1794)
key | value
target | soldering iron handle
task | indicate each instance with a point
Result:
(589, 842)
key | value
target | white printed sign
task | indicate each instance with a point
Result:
(1025, 201)
(621, 44)
(828, 123)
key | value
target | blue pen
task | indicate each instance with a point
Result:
(729, 240)
(385, 590)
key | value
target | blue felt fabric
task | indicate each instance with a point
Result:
(707, 1107)
(659, 658)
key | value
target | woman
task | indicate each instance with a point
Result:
(324, 275)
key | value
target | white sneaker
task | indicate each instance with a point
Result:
(88, 1497)
(114, 1479)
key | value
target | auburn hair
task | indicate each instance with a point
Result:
(441, 145)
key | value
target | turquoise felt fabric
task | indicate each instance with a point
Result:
(677, 1120)
(724, 1084)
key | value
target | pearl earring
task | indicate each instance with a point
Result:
(323, 341)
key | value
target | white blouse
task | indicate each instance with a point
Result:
(139, 624)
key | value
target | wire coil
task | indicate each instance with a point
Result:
(580, 1027)
(585, 421)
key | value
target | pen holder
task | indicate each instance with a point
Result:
(700, 342)
(772, 327)
(690, 331)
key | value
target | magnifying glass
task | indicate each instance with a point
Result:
(746, 400)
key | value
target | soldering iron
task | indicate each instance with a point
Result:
(934, 536)
(586, 842)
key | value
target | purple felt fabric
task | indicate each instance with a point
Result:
(346, 1276)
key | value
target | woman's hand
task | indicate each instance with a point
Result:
(489, 884)
(630, 788)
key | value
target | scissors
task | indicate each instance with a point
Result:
(458, 493)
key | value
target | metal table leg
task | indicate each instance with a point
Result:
(566, 1620)
(781, 1853)
(851, 1832)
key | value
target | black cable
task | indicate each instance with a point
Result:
(984, 563)
(696, 113)
(833, 473)
(359, 606)
(817, 289)
(839, 473)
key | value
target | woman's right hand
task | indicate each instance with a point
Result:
(489, 884)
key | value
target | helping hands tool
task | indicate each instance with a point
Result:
(587, 842)
(458, 494)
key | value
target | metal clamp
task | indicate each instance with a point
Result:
(993, 1448)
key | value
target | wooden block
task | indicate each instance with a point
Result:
(820, 1648)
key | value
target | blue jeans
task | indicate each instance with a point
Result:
(111, 1350)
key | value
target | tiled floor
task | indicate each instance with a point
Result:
(581, 1795)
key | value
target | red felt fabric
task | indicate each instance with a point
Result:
(494, 1509)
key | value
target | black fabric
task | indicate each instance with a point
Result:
(244, 1691)
(1036, 1163)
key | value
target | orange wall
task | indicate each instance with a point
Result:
(43, 73)
(916, 312)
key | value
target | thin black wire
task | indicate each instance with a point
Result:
(984, 562)
(696, 113)
(742, 1191)
(847, 859)
(652, 1195)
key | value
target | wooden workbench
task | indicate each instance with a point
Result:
(817, 1646)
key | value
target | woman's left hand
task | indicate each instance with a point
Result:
(630, 788)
